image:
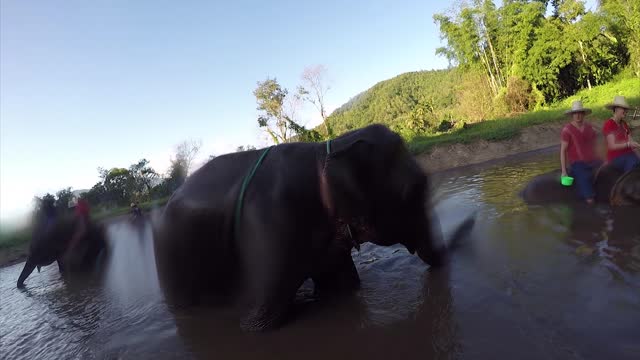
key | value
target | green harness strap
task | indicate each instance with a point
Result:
(247, 180)
(245, 184)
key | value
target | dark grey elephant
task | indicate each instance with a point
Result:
(51, 243)
(610, 186)
(304, 210)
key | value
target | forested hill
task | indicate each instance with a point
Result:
(397, 100)
(522, 56)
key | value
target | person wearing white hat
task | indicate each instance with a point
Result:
(577, 151)
(620, 145)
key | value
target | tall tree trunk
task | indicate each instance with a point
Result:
(584, 60)
(492, 79)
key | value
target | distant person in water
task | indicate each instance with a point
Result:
(135, 210)
(577, 151)
(620, 145)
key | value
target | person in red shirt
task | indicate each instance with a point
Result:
(620, 145)
(81, 211)
(577, 151)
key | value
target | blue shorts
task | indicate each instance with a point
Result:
(626, 162)
(582, 173)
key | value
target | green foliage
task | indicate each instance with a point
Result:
(278, 112)
(509, 60)
(557, 55)
(63, 198)
(415, 101)
(505, 128)
(623, 23)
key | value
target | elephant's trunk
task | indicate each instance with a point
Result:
(431, 248)
(434, 251)
(26, 271)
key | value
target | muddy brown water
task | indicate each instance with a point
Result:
(531, 283)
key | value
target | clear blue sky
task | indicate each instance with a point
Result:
(104, 83)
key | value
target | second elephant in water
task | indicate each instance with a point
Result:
(611, 187)
(295, 217)
(51, 243)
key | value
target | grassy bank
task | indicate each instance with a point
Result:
(109, 213)
(506, 128)
(19, 239)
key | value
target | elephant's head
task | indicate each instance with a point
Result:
(370, 175)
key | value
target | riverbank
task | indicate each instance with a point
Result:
(520, 132)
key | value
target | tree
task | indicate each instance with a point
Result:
(118, 185)
(143, 176)
(96, 195)
(270, 97)
(63, 197)
(279, 112)
(314, 89)
(185, 152)
(624, 22)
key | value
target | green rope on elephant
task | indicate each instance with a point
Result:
(245, 184)
(328, 147)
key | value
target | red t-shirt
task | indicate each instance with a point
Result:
(581, 142)
(621, 132)
(82, 208)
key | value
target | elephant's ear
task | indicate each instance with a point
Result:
(346, 170)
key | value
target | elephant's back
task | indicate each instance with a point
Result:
(214, 180)
(546, 188)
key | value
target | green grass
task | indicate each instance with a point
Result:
(21, 237)
(14, 239)
(506, 128)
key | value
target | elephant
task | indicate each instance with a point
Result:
(627, 189)
(230, 234)
(51, 243)
(611, 187)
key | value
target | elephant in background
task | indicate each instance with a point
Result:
(306, 207)
(50, 243)
(627, 189)
(610, 186)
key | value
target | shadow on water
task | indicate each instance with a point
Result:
(535, 282)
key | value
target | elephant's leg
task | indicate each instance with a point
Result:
(339, 276)
(194, 263)
(275, 264)
(60, 266)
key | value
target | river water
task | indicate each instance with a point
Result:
(531, 283)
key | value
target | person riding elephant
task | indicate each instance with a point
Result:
(621, 148)
(546, 188)
(577, 148)
(81, 213)
(259, 223)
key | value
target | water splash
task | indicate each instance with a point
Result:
(131, 271)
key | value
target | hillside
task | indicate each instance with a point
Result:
(435, 95)
(429, 95)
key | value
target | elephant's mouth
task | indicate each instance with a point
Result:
(353, 233)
